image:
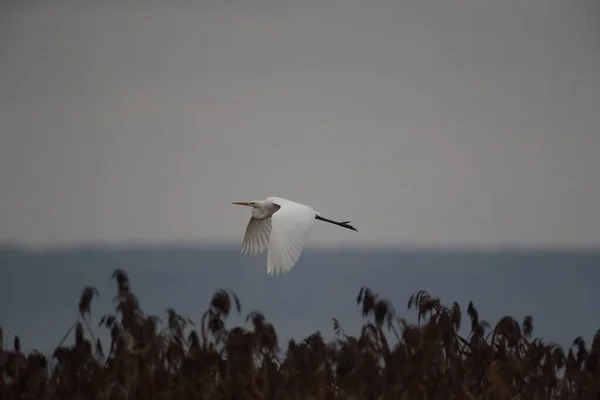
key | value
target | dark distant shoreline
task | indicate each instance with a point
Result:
(314, 247)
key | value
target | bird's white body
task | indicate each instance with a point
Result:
(282, 226)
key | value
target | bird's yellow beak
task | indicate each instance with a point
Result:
(240, 203)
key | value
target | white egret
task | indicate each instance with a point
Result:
(282, 226)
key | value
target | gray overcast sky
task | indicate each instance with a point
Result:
(425, 122)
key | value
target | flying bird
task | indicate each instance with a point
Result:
(282, 226)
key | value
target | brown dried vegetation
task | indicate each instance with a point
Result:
(149, 358)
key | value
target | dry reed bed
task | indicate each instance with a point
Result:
(149, 358)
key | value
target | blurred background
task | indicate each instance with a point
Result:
(461, 139)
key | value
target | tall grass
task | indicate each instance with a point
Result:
(149, 357)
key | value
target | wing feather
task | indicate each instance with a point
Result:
(290, 227)
(257, 236)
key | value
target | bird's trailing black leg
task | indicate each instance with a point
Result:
(345, 224)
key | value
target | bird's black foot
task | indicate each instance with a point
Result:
(346, 224)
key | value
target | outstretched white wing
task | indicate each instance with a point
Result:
(290, 227)
(256, 237)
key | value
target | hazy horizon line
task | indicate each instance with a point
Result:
(228, 244)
